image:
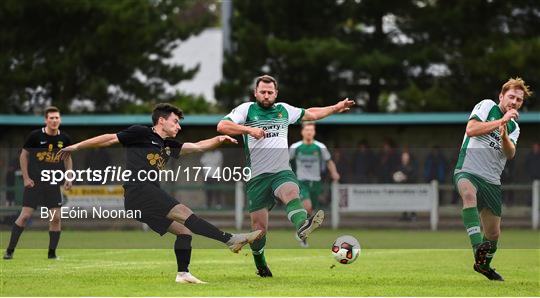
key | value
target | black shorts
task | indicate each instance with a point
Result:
(154, 204)
(45, 195)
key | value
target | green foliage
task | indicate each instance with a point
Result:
(194, 104)
(190, 104)
(433, 55)
(89, 49)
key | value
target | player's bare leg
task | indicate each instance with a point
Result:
(308, 206)
(182, 251)
(289, 194)
(16, 231)
(491, 224)
(471, 218)
(182, 214)
(259, 221)
(469, 213)
(55, 227)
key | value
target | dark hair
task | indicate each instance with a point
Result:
(164, 110)
(51, 109)
(266, 79)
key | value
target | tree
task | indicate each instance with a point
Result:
(111, 52)
(477, 45)
(425, 55)
(296, 41)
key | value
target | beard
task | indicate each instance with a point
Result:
(265, 104)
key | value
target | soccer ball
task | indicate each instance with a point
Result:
(346, 249)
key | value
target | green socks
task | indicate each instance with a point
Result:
(471, 220)
(492, 251)
(296, 213)
(257, 248)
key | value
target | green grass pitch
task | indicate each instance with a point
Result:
(392, 263)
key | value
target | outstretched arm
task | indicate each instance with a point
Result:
(230, 128)
(206, 145)
(99, 141)
(313, 114)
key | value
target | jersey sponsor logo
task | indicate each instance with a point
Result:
(48, 156)
(272, 131)
(155, 159)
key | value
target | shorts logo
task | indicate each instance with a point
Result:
(43, 142)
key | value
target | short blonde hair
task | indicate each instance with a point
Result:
(516, 83)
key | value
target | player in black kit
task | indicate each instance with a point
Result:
(149, 149)
(40, 153)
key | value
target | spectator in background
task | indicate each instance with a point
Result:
(435, 166)
(532, 163)
(406, 173)
(363, 163)
(213, 160)
(388, 162)
(343, 165)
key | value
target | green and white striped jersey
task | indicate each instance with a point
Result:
(309, 159)
(483, 155)
(271, 153)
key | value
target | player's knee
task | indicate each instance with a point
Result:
(290, 193)
(492, 235)
(55, 221)
(468, 197)
(184, 209)
(180, 212)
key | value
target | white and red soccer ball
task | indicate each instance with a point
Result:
(346, 249)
